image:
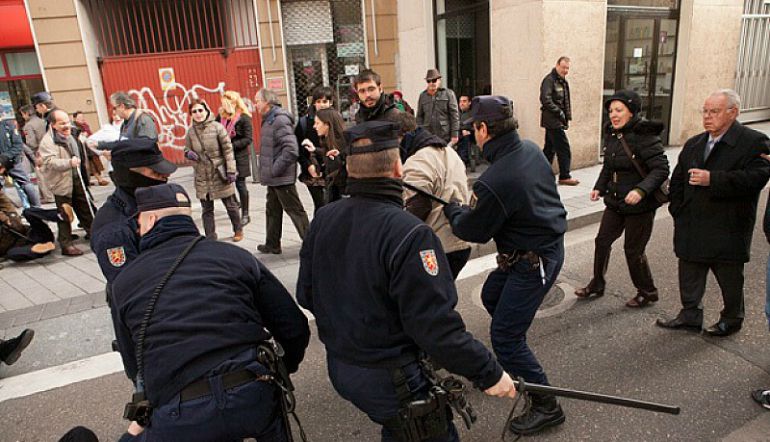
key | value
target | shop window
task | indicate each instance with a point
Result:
(22, 63)
(463, 46)
(670, 4)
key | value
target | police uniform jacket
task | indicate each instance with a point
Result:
(113, 234)
(379, 285)
(209, 311)
(517, 203)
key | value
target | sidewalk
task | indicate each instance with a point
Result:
(57, 285)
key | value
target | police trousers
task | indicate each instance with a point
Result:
(512, 298)
(372, 391)
(249, 410)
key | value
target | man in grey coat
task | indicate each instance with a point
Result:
(136, 124)
(437, 110)
(278, 169)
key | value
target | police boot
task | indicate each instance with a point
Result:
(545, 412)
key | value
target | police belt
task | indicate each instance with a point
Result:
(202, 388)
(506, 260)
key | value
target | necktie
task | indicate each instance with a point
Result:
(709, 146)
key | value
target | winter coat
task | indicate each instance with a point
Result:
(210, 141)
(619, 175)
(278, 149)
(383, 110)
(57, 168)
(441, 172)
(715, 223)
(303, 131)
(555, 109)
(242, 142)
(10, 141)
(439, 114)
(34, 131)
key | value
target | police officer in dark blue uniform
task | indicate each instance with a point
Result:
(514, 202)
(380, 287)
(136, 163)
(195, 359)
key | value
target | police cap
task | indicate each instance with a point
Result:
(161, 196)
(383, 135)
(41, 97)
(140, 152)
(489, 108)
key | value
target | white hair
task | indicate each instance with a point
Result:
(269, 96)
(733, 99)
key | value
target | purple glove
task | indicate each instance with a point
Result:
(231, 178)
(192, 156)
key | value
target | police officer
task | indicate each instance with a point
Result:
(136, 163)
(195, 359)
(378, 315)
(514, 202)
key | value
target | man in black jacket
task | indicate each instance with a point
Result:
(556, 113)
(375, 105)
(397, 301)
(198, 365)
(714, 191)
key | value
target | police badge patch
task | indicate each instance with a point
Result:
(429, 261)
(117, 256)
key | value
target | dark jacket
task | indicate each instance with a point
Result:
(10, 141)
(715, 223)
(242, 142)
(398, 299)
(439, 114)
(303, 131)
(383, 110)
(555, 105)
(113, 234)
(209, 311)
(278, 149)
(517, 203)
(619, 175)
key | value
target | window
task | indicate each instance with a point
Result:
(670, 4)
(22, 63)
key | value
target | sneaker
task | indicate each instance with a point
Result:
(264, 248)
(538, 418)
(762, 397)
(11, 349)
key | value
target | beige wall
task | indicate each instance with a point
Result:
(271, 48)
(706, 59)
(527, 38)
(383, 60)
(416, 52)
(61, 52)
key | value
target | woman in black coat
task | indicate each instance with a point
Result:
(309, 158)
(236, 118)
(628, 196)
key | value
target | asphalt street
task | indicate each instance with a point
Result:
(597, 345)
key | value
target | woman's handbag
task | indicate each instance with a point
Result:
(221, 169)
(661, 193)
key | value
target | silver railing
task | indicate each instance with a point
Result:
(752, 76)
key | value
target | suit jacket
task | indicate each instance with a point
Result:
(715, 223)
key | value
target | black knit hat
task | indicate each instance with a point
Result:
(631, 99)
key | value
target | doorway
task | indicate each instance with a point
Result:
(640, 55)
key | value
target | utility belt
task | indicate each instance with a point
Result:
(202, 387)
(428, 418)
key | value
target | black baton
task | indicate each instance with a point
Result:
(429, 195)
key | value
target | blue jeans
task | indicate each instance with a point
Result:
(372, 391)
(512, 299)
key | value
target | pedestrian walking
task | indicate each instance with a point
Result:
(196, 361)
(136, 123)
(330, 128)
(634, 168)
(714, 192)
(208, 146)
(278, 170)
(556, 113)
(466, 141)
(236, 118)
(34, 131)
(374, 104)
(12, 147)
(514, 202)
(310, 162)
(437, 110)
(398, 300)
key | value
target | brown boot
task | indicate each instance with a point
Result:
(238, 236)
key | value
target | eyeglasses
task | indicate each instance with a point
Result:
(713, 112)
(198, 111)
(432, 81)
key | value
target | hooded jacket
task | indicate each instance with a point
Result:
(209, 140)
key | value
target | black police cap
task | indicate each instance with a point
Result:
(382, 134)
(489, 108)
(161, 196)
(140, 152)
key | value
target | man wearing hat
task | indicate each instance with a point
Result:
(136, 163)
(34, 131)
(397, 301)
(198, 364)
(437, 110)
(514, 202)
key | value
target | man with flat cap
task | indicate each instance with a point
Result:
(377, 317)
(136, 163)
(437, 110)
(514, 202)
(188, 327)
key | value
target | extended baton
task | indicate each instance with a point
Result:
(595, 397)
(429, 195)
(87, 192)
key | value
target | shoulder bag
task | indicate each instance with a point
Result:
(221, 169)
(661, 193)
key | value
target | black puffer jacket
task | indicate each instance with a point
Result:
(619, 176)
(242, 142)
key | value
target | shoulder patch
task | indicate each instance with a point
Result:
(429, 261)
(117, 256)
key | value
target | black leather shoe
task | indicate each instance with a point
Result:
(722, 329)
(12, 348)
(264, 248)
(677, 323)
(537, 419)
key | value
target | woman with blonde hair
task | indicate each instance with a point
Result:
(236, 118)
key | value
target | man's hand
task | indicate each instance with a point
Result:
(594, 195)
(135, 429)
(633, 197)
(699, 177)
(466, 133)
(74, 162)
(503, 388)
